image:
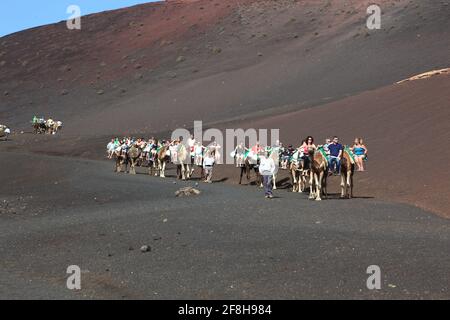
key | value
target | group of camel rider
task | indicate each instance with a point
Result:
(200, 155)
(332, 148)
(49, 126)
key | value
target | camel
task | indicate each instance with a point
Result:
(152, 158)
(183, 162)
(163, 156)
(318, 175)
(347, 169)
(250, 163)
(49, 125)
(39, 127)
(133, 156)
(4, 132)
(57, 126)
(299, 173)
(121, 160)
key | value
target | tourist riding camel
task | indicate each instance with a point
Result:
(360, 153)
(335, 156)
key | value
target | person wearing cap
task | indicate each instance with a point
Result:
(208, 165)
(267, 169)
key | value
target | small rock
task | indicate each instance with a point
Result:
(181, 59)
(188, 191)
(145, 248)
(100, 92)
(216, 50)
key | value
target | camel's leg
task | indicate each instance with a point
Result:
(183, 172)
(301, 182)
(351, 185)
(324, 183)
(132, 166)
(343, 185)
(274, 177)
(311, 186)
(318, 180)
(294, 180)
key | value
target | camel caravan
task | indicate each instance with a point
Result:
(42, 126)
(309, 165)
(5, 131)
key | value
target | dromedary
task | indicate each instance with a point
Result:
(318, 175)
(251, 163)
(133, 156)
(121, 160)
(299, 173)
(163, 155)
(347, 168)
(183, 161)
(49, 125)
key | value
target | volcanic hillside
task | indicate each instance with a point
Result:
(158, 66)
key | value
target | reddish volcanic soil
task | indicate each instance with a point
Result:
(405, 128)
(306, 67)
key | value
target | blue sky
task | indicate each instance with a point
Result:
(18, 15)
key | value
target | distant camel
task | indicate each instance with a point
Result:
(183, 162)
(49, 125)
(318, 175)
(250, 163)
(163, 155)
(57, 125)
(347, 168)
(121, 160)
(133, 156)
(299, 173)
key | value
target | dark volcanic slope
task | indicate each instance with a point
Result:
(228, 243)
(120, 72)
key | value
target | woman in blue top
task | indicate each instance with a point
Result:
(359, 151)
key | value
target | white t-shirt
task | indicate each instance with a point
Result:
(208, 161)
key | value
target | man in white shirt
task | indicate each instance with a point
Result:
(208, 165)
(267, 168)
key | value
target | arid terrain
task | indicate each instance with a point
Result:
(305, 67)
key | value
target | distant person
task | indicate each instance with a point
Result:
(307, 146)
(110, 147)
(360, 152)
(256, 149)
(198, 151)
(239, 154)
(191, 146)
(267, 169)
(286, 155)
(335, 156)
(208, 166)
(325, 146)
